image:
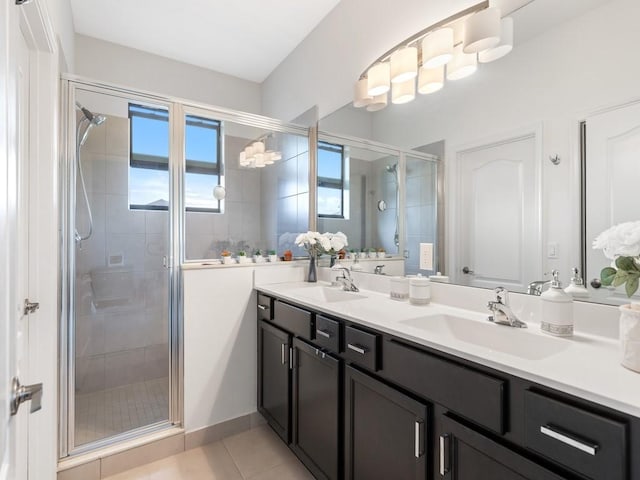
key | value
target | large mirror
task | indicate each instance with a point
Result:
(515, 138)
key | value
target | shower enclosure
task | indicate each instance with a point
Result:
(119, 294)
(149, 183)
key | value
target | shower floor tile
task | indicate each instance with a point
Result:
(113, 411)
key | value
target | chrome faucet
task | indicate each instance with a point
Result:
(502, 313)
(378, 270)
(345, 280)
(536, 287)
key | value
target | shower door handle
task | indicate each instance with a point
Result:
(166, 262)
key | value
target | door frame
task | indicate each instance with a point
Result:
(35, 24)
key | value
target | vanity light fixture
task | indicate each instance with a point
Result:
(256, 155)
(483, 33)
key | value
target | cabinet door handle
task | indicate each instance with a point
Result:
(283, 354)
(356, 348)
(417, 438)
(263, 307)
(290, 358)
(322, 333)
(444, 454)
(568, 439)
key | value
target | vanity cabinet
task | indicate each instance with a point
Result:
(357, 403)
(385, 431)
(274, 378)
(465, 454)
(316, 412)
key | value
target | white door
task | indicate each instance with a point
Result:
(612, 179)
(14, 234)
(498, 240)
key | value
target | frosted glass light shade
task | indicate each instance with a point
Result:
(437, 48)
(404, 64)
(361, 97)
(258, 147)
(242, 159)
(378, 79)
(505, 45)
(249, 151)
(462, 65)
(403, 92)
(276, 155)
(259, 160)
(378, 103)
(482, 30)
(430, 79)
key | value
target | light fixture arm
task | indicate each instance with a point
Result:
(424, 32)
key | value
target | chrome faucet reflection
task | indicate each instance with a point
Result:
(536, 287)
(502, 313)
(345, 280)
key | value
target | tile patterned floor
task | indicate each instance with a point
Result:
(109, 412)
(257, 454)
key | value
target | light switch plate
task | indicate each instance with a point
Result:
(426, 256)
(552, 250)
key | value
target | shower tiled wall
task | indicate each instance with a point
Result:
(126, 340)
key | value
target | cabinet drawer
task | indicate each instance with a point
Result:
(265, 307)
(590, 444)
(294, 319)
(474, 395)
(327, 333)
(361, 347)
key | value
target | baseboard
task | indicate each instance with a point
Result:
(213, 433)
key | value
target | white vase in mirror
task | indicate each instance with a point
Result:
(630, 336)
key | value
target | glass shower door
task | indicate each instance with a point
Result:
(120, 284)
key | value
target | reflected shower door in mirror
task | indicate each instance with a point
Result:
(264, 170)
(119, 243)
(611, 176)
(361, 193)
(548, 83)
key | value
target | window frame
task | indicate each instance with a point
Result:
(333, 183)
(153, 162)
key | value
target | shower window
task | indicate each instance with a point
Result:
(149, 159)
(331, 185)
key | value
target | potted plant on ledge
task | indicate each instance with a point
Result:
(226, 257)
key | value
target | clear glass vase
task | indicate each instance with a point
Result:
(312, 277)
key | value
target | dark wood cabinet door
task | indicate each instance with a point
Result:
(464, 454)
(316, 409)
(385, 431)
(274, 378)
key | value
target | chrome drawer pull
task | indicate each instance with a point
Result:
(416, 440)
(569, 440)
(322, 333)
(356, 349)
(263, 307)
(444, 464)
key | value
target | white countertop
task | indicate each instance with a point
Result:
(587, 366)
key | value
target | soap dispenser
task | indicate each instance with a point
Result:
(556, 310)
(576, 288)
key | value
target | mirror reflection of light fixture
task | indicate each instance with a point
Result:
(256, 155)
(481, 32)
(219, 192)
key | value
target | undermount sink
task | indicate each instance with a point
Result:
(326, 294)
(517, 342)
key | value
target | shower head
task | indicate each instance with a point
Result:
(95, 119)
(392, 168)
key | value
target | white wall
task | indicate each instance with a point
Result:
(220, 340)
(59, 12)
(323, 68)
(108, 62)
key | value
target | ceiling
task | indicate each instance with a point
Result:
(246, 39)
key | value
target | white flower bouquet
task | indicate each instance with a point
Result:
(621, 243)
(316, 243)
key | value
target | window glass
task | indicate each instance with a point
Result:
(149, 160)
(330, 180)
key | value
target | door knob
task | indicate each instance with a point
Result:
(23, 393)
(467, 271)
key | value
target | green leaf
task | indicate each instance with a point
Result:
(627, 263)
(632, 284)
(606, 275)
(620, 278)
